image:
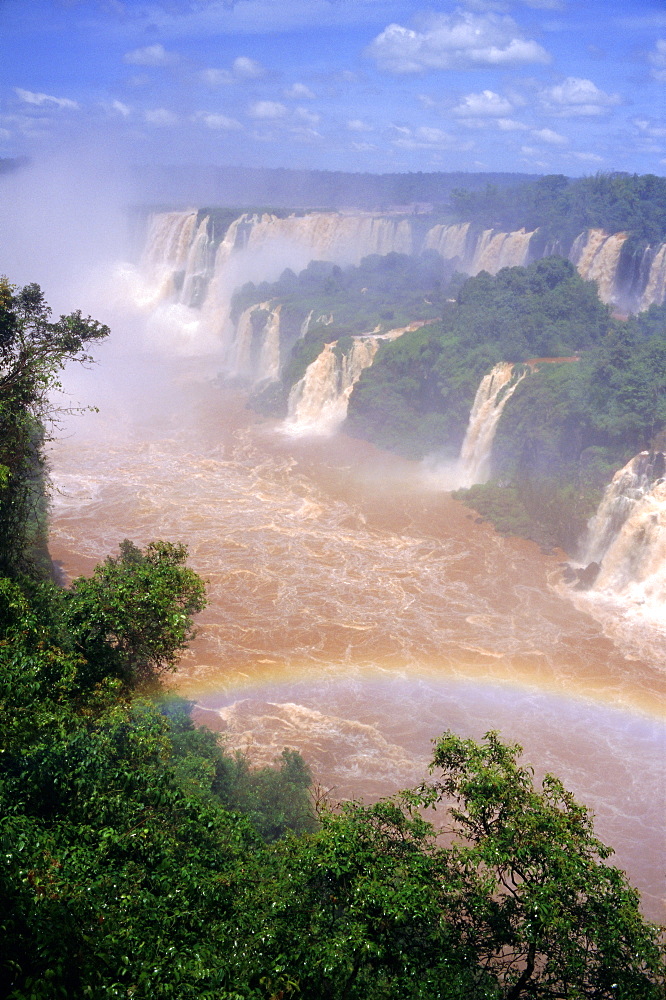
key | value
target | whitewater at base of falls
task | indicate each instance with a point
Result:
(626, 550)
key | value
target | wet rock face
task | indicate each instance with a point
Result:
(587, 576)
(581, 577)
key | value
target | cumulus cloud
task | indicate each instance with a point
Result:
(41, 100)
(299, 92)
(247, 69)
(549, 136)
(427, 138)
(150, 55)
(658, 60)
(486, 104)
(579, 98)
(648, 128)
(457, 41)
(215, 77)
(216, 121)
(310, 117)
(356, 125)
(121, 109)
(161, 117)
(510, 125)
(268, 109)
(588, 157)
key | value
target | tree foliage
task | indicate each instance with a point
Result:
(133, 617)
(33, 352)
(562, 208)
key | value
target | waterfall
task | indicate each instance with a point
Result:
(254, 352)
(596, 256)
(450, 242)
(490, 252)
(493, 393)
(655, 289)
(318, 402)
(186, 279)
(497, 250)
(168, 240)
(627, 535)
(343, 239)
(196, 268)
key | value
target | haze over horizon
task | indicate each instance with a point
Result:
(536, 86)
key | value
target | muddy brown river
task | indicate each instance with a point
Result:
(356, 610)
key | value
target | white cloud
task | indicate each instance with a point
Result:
(247, 69)
(356, 125)
(658, 60)
(28, 97)
(510, 125)
(215, 77)
(588, 157)
(299, 92)
(308, 116)
(486, 104)
(161, 117)
(576, 97)
(549, 136)
(216, 122)
(150, 55)
(121, 109)
(458, 41)
(647, 128)
(428, 138)
(268, 109)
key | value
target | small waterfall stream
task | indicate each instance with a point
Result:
(494, 392)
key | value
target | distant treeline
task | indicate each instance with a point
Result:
(562, 208)
(332, 189)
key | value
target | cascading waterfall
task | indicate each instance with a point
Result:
(494, 392)
(186, 278)
(197, 266)
(497, 250)
(450, 242)
(655, 289)
(254, 352)
(596, 256)
(168, 240)
(318, 402)
(627, 536)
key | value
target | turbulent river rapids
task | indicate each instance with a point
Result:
(356, 610)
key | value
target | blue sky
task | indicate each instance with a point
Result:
(566, 86)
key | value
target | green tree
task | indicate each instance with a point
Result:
(33, 352)
(534, 895)
(133, 617)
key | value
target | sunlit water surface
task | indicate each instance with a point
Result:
(355, 611)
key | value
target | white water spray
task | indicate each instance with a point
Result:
(318, 402)
(627, 536)
(494, 392)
